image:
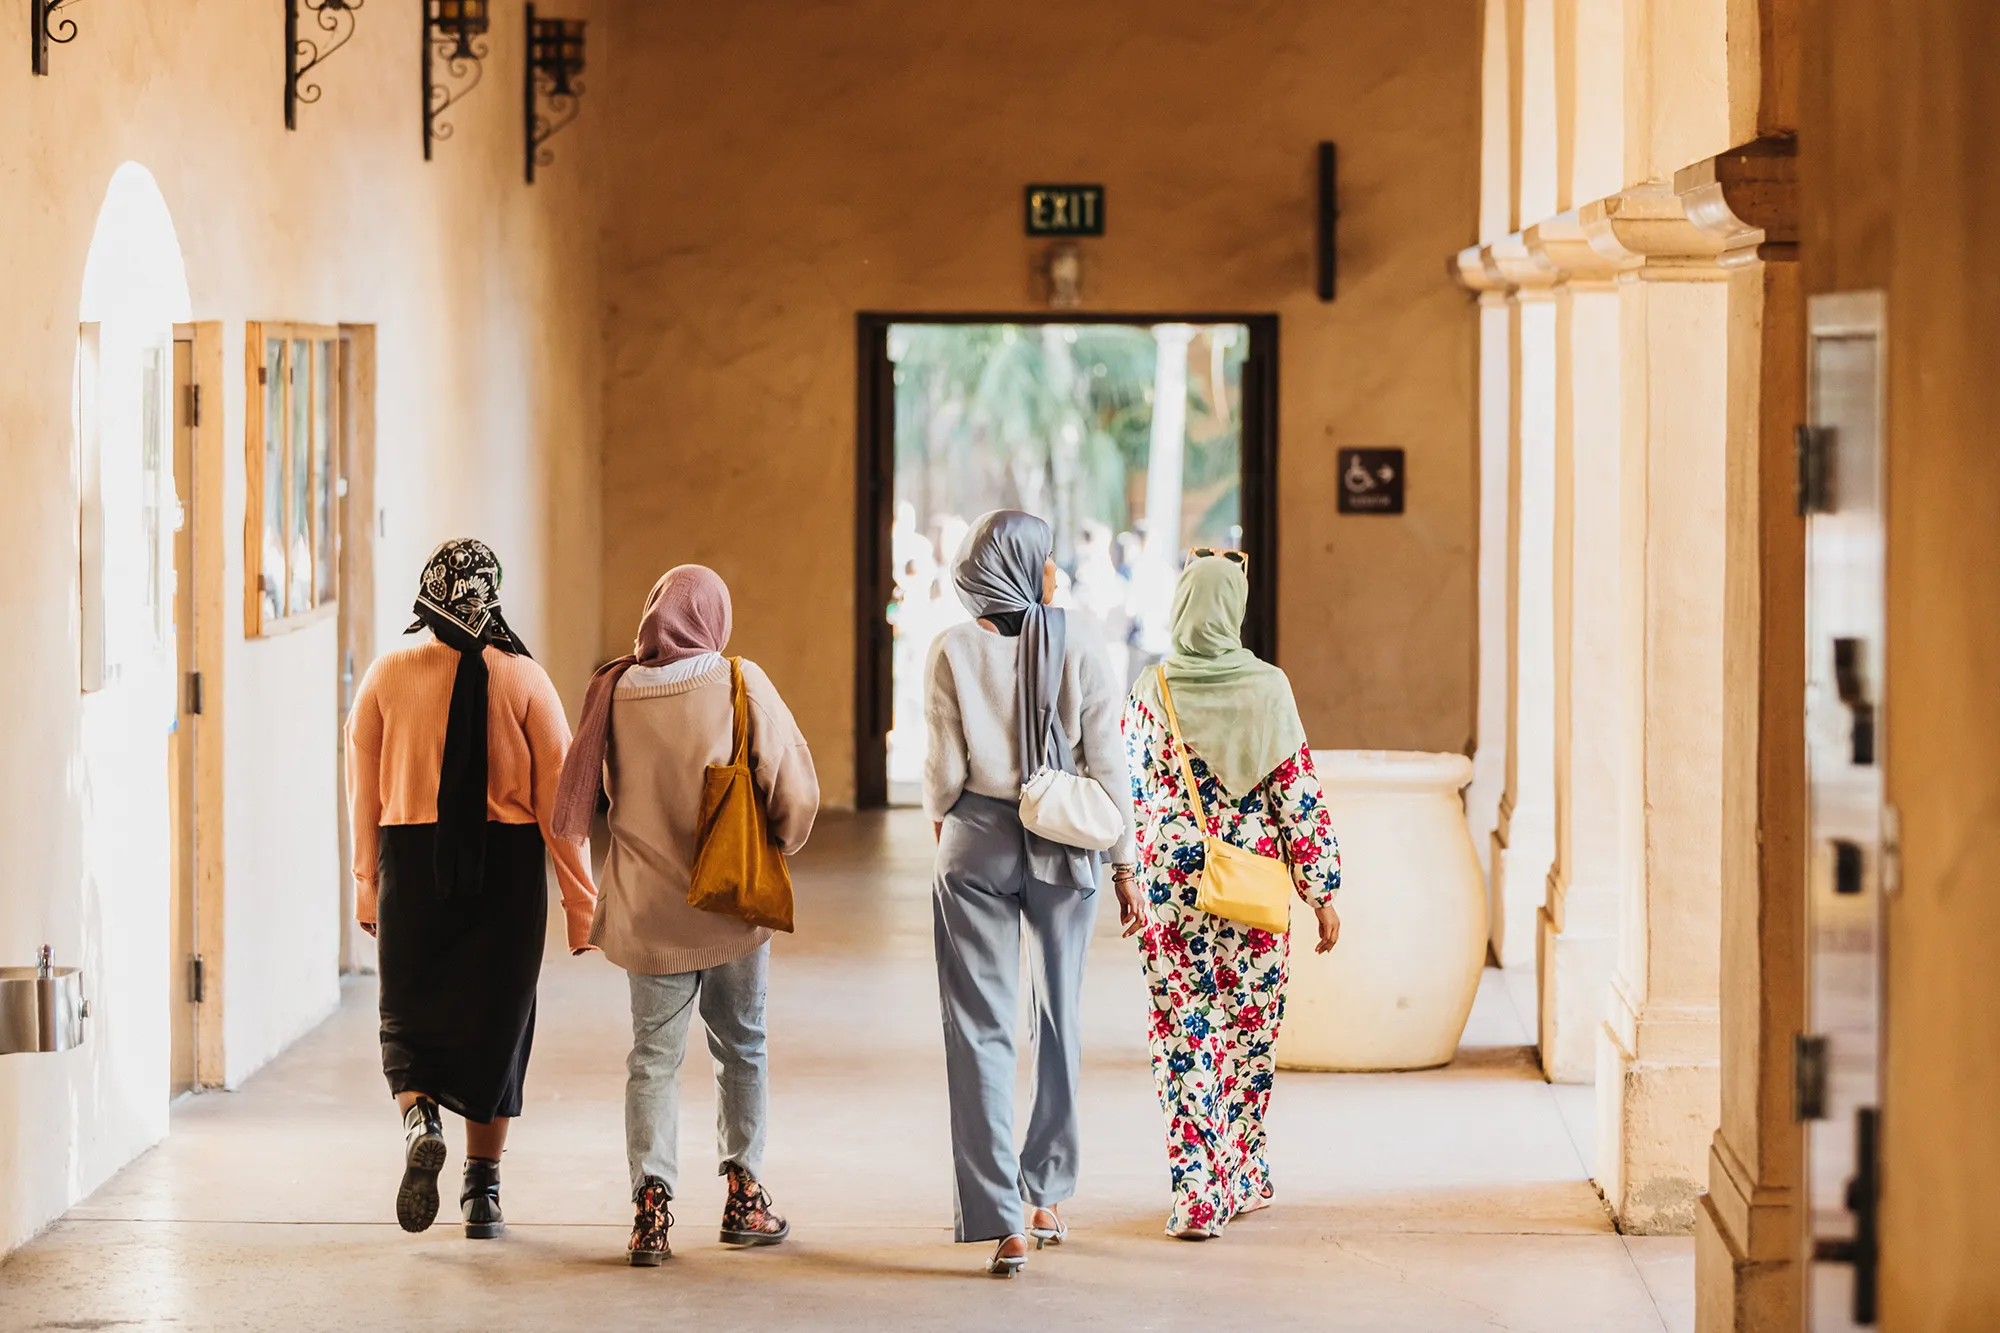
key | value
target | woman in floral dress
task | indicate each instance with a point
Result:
(1218, 986)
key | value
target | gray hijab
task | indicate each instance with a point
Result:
(999, 577)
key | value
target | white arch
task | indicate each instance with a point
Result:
(134, 271)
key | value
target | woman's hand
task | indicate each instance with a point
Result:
(1131, 908)
(1329, 928)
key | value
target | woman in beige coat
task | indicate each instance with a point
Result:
(653, 723)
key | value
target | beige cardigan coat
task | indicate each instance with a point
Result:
(663, 738)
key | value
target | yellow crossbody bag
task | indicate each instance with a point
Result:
(1235, 883)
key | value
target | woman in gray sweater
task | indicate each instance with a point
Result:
(1013, 692)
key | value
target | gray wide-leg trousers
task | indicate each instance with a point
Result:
(983, 897)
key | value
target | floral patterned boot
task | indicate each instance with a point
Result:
(748, 1218)
(648, 1247)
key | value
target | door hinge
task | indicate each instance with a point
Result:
(194, 692)
(197, 979)
(1889, 873)
(194, 405)
(1813, 446)
(1808, 1077)
(263, 374)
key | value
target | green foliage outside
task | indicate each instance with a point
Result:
(1057, 419)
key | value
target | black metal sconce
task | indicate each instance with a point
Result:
(45, 27)
(1329, 212)
(555, 58)
(451, 32)
(303, 54)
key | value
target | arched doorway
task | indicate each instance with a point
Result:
(136, 754)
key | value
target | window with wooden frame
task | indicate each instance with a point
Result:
(291, 522)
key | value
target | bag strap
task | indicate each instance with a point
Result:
(740, 704)
(1181, 752)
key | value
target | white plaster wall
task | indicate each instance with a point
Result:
(484, 294)
(281, 970)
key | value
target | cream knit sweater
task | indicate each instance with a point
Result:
(971, 703)
(667, 727)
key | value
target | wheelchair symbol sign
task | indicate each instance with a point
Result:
(1371, 481)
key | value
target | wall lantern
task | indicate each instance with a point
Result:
(450, 30)
(549, 87)
(44, 27)
(334, 19)
(1324, 253)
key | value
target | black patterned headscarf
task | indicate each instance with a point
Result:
(458, 599)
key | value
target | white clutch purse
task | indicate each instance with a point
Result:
(1070, 809)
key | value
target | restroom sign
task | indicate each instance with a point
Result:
(1371, 481)
(1065, 210)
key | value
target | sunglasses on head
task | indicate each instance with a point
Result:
(1240, 559)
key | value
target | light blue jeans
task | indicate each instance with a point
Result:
(731, 998)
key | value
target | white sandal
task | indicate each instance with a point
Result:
(1006, 1265)
(1054, 1235)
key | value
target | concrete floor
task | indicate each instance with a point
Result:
(1451, 1200)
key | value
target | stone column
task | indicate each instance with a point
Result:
(1489, 757)
(1748, 1275)
(1524, 832)
(1577, 929)
(1688, 301)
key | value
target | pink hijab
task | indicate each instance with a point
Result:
(687, 614)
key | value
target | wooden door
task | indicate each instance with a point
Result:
(184, 971)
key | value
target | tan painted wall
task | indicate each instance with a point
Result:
(1902, 184)
(484, 292)
(780, 167)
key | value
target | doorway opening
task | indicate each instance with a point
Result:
(1139, 438)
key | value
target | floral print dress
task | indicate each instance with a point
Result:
(1218, 986)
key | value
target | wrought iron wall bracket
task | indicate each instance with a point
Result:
(551, 93)
(452, 29)
(46, 26)
(303, 54)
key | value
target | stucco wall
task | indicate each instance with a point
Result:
(779, 167)
(484, 294)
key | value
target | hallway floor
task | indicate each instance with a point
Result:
(1450, 1200)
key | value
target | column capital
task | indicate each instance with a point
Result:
(1646, 233)
(1562, 245)
(1714, 215)
(1526, 273)
(1474, 268)
(1748, 197)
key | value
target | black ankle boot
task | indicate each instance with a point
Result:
(423, 1158)
(480, 1203)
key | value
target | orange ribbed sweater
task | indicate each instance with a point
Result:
(395, 750)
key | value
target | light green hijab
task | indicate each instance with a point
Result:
(1235, 711)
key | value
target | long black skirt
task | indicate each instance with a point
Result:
(459, 972)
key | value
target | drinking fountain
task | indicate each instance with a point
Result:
(41, 1007)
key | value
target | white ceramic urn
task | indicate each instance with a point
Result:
(1397, 989)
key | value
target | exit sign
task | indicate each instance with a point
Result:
(1065, 210)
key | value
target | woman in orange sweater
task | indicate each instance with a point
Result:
(454, 749)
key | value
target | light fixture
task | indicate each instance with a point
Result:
(555, 58)
(451, 30)
(1329, 215)
(302, 54)
(44, 27)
